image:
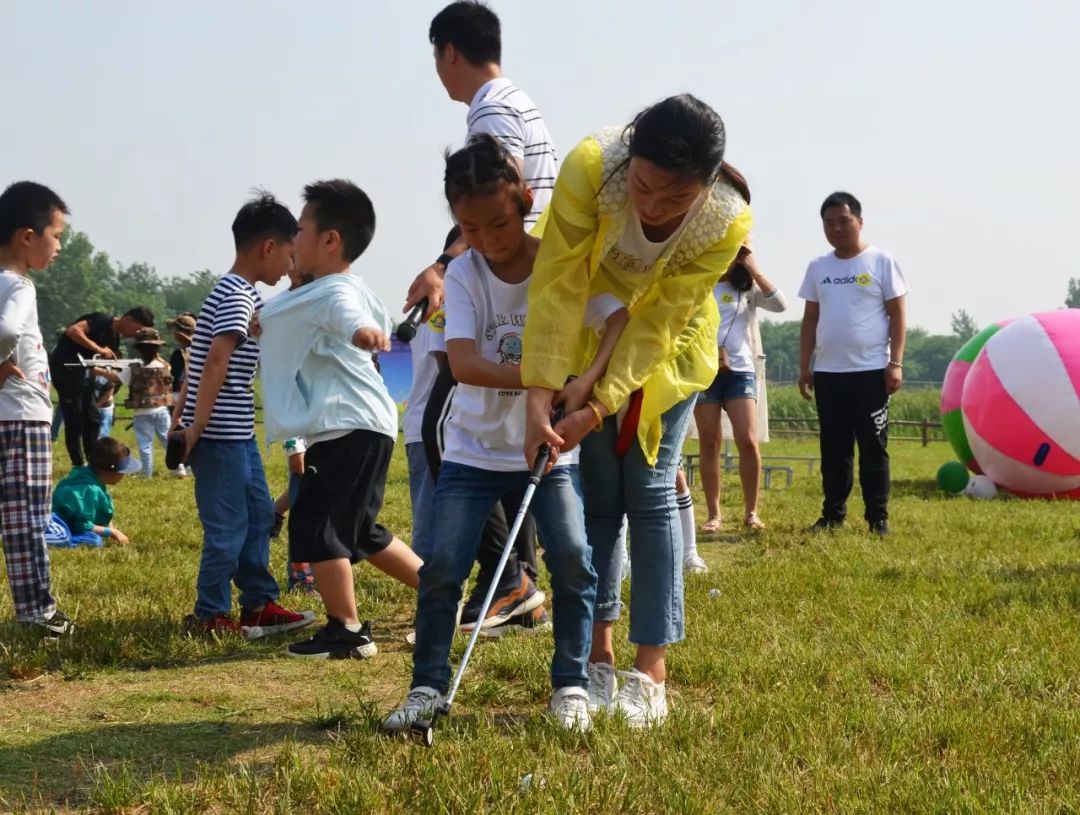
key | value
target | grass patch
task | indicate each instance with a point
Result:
(932, 672)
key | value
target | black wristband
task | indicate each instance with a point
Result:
(444, 259)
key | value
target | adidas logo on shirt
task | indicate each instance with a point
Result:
(863, 279)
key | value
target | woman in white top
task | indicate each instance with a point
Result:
(736, 387)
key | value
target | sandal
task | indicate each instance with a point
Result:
(752, 521)
(711, 526)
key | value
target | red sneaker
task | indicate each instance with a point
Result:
(273, 619)
(221, 624)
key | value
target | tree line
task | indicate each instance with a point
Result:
(926, 355)
(82, 280)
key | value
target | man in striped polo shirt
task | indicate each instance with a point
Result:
(467, 41)
(216, 410)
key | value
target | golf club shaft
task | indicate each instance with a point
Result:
(507, 549)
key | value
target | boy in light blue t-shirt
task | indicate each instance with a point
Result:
(320, 381)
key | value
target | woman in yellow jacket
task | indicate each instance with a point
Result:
(650, 214)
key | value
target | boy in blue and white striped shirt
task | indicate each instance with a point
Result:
(216, 410)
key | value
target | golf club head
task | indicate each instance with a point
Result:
(422, 731)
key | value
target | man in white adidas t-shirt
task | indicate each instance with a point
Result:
(467, 41)
(853, 325)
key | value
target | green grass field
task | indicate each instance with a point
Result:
(932, 672)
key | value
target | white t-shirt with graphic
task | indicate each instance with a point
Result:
(853, 326)
(486, 428)
(734, 332)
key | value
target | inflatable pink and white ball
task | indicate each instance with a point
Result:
(1021, 405)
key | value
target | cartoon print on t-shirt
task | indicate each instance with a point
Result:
(510, 349)
(865, 279)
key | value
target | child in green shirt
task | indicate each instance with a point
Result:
(82, 507)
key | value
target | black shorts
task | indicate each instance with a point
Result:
(341, 493)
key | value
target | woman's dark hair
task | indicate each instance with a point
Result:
(684, 135)
(479, 168)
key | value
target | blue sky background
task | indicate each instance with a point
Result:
(955, 123)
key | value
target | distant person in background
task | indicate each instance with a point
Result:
(94, 334)
(737, 387)
(854, 329)
(104, 391)
(149, 396)
(183, 330)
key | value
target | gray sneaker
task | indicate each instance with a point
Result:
(421, 702)
(570, 708)
(602, 686)
(642, 701)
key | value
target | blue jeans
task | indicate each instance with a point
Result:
(421, 493)
(464, 497)
(236, 513)
(148, 425)
(615, 486)
(107, 415)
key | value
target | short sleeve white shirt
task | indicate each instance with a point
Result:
(853, 325)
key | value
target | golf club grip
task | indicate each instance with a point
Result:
(545, 449)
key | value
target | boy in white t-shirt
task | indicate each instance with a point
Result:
(854, 326)
(31, 222)
(487, 295)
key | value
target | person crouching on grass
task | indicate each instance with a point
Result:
(486, 294)
(82, 506)
(320, 382)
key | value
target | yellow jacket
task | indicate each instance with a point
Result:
(669, 346)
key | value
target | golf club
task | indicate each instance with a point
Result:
(423, 730)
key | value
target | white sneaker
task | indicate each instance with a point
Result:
(179, 472)
(419, 704)
(695, 565)
(570, 708)
(602, 686)
(642, 701)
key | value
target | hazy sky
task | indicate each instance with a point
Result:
(955, 123)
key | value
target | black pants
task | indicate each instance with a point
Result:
(853, 407)
(82, 419)
(496, 529)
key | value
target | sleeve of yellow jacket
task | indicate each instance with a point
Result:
(663, 313)
(559, 287)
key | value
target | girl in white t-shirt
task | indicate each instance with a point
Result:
(483, 459)
(736, 388)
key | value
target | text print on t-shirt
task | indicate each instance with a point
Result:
(864, 280)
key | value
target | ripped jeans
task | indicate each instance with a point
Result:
(615, 486)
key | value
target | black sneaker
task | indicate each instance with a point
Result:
(879, 528)
(57, 625)
(824, 525)
(335, 641)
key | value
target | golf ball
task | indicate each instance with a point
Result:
(714, 593)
